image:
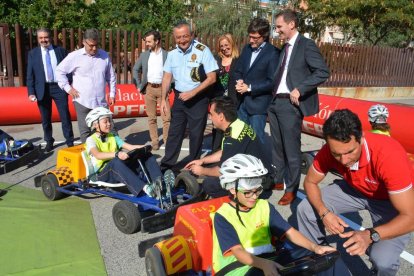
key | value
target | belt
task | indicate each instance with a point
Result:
(154, 85)
(283, 96)
(51, 83)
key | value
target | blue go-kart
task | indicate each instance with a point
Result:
(74, 175)
(13, 158)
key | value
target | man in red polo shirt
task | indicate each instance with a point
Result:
(376, 177)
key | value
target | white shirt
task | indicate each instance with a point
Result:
(283, 85)
(256, 53)
(53, 60)
(155, 67)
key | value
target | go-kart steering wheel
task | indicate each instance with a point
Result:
(139, 153)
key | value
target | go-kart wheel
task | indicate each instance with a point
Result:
(126, 217)
(307, 160)
(189, 182)
(49, 184)
(154, 263)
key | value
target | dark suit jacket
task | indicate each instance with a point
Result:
(306, 70)
(260, 76)
(142, 66)
(36, 77)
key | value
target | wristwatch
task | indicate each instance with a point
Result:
(374, 235)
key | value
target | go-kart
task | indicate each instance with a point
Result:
(13, 159)
(74, 175)
(188, 251)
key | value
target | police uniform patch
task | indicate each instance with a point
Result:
(200, 47)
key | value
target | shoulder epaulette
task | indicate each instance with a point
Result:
(200, 47)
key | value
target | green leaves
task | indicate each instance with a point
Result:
(373, 22)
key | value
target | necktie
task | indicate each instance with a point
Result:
(281, 69)
(49, 68)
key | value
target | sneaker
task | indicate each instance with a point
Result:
(149, 190)
(169, 179)
(18, 144)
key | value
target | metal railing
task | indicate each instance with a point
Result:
(351, 65)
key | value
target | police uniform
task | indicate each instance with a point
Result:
(239, 137)
(188, 69)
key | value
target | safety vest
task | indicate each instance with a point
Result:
(377, 131)
(108, 146)
(254, 235)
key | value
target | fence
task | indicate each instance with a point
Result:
(351, 65)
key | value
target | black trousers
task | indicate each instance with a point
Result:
(285, 127)
(60, 97)
(193, 112)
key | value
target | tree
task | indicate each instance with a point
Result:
(219, 17)
(56, 14)
(138, 15)
(374, 22)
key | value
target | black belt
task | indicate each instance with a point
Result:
(154, 85)
(283, 96)
(51, 83)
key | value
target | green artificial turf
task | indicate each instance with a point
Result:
(43, 237)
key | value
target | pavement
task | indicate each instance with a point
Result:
(120, 251)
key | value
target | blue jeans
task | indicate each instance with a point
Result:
(127, 172)
(256, 121)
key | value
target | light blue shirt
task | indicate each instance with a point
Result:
(180, 64)
(256, 52)
(53, 61)
(90, 75)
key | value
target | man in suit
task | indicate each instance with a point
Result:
(42, 86)
(150, 64)
(301, 69)
(254, 74)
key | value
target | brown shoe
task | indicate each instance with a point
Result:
(279, 186)
(287, 198)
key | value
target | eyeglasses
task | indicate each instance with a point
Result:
(249, 194)
(182, 36)
(91, 45)
(254, 37)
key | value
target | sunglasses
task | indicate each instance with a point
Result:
(250, 193)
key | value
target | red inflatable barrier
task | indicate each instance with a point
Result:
(17, 109)
(399, 119)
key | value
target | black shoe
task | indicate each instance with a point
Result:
(49, 146)
(69, 144)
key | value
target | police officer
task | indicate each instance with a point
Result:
(192, 66)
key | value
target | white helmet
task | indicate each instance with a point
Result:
(378, 114)
(97, 113)
(245, 168)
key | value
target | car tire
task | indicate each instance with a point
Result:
(126, 217)
(154, 264)
(184, 179)
(307, 160)
(49, 184)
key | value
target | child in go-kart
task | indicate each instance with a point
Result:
(377, 117)
(113, 165)
(243, 228)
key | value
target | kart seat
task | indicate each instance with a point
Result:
(91, 174)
